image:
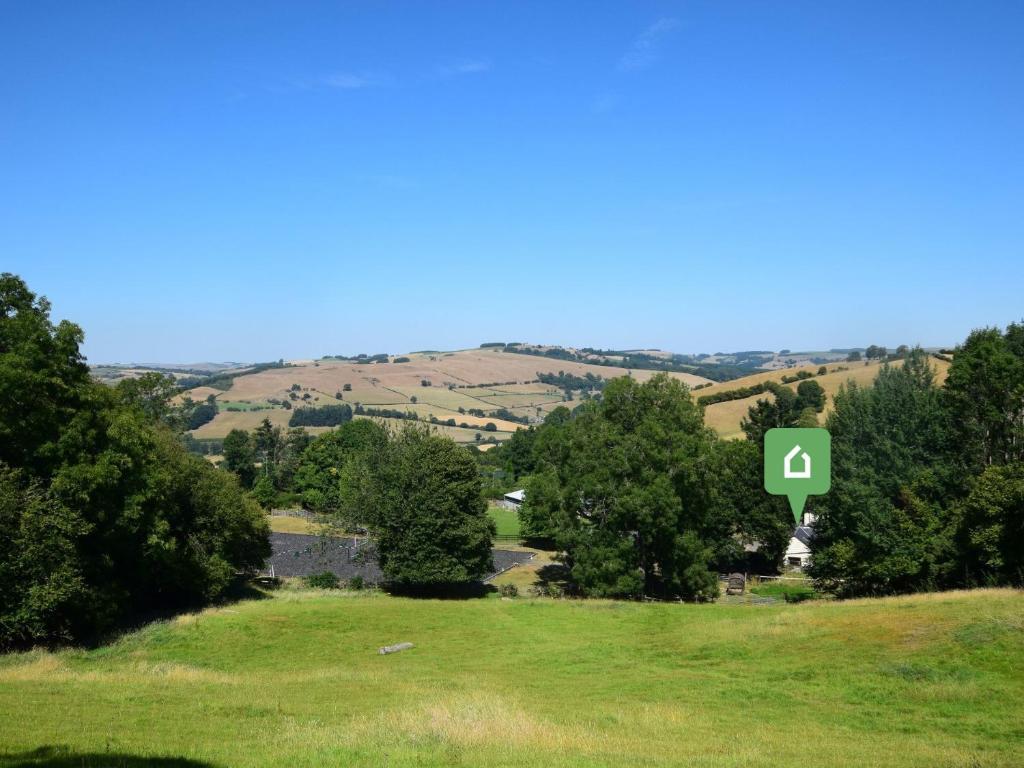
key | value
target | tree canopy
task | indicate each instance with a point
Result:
(104, 513)
(419, 496)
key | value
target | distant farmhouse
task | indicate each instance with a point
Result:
(513, 499)
(798, 553)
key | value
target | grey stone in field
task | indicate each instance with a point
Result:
(394, 648)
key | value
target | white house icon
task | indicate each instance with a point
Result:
(788, 471)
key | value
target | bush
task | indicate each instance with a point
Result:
(356, 583)
(325, 580)
(508, 590)
(324, 416)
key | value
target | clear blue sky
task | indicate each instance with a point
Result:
(245, 181)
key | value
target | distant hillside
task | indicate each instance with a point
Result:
(462, 391)
(482, 395)
(725, 417)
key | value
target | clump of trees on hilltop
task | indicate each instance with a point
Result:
(104, 514)
(324, 416)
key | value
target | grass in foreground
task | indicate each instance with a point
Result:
(932, 680)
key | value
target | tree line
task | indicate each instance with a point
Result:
(322, 416)
(928, 480)
(105, 515)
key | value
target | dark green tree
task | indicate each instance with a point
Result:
(809, 394)
(985, 388)
(993, 526)
(105, 515)
(624, 491)
(320, 467)
(883, 527)
(240, 456)
(420, 498)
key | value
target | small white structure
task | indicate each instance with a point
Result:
(513, 499)
(798, 553)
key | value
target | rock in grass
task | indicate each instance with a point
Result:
(394, 648)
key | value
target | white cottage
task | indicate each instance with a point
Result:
(798, 553)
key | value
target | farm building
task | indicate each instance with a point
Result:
(513, 499)
(798, 553)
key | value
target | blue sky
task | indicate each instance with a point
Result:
(246, 181)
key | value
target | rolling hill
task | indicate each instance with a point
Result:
(476, 387)
(725, 417)
(435, 384)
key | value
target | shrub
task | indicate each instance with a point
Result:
(324, 416)
(508, 590)
(356, 583)
(325, 580)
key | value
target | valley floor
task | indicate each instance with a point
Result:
(295, 680)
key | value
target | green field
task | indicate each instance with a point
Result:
(506, 520)
(295, 680)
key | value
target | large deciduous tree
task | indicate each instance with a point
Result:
(624, 492)
(419, 495)
(104, 514)
(884, 526)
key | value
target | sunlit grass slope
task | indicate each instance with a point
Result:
(725, 417)
(295, 680)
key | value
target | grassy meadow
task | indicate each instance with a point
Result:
(505, 520)
(294, 679)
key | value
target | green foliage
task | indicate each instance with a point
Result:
(240, 456)
(786, 409)
(420, 498)
(621, 493)
(104, 512)
(883, 527)
(993, 525)
(809, 394)
(263, 491)
(318, 476)
(43, 379)
(324, 416)
(201, 414)
(741, 514)
(325, 580)
(985, 387)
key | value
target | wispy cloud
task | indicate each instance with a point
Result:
(465, 67)
(645, 49)
(349, 81)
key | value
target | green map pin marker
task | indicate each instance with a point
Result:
(797, 464)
